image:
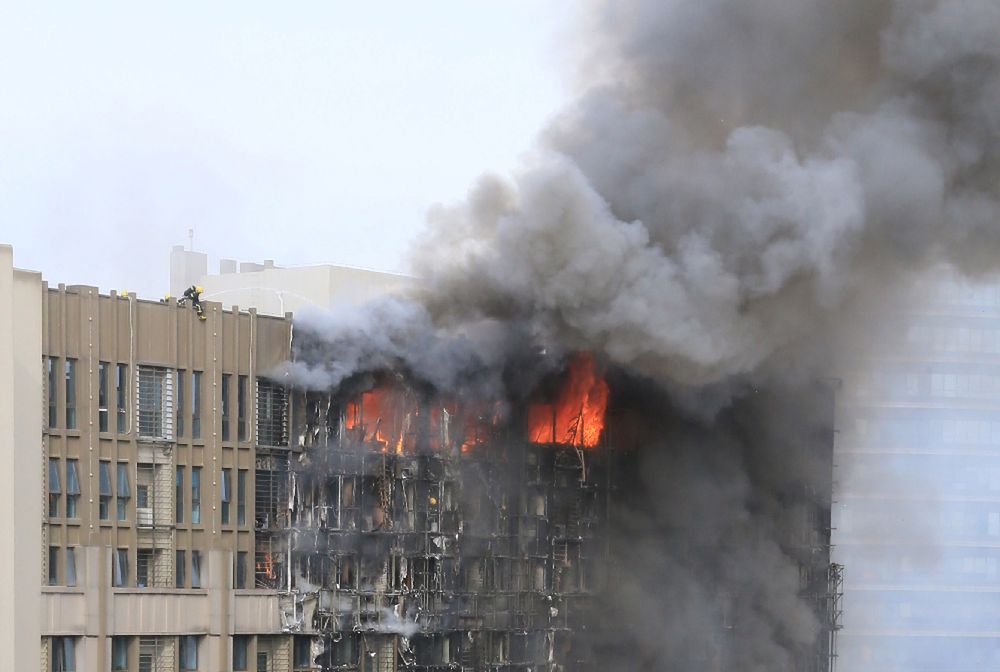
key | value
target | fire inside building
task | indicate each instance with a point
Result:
(408, 531)
(201, 512)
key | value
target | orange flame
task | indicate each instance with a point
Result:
(577, 415)
(383, 415)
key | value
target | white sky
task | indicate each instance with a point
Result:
(303, 132)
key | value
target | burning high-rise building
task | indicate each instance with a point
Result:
(418, 532)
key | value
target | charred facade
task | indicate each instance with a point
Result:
(402, 531)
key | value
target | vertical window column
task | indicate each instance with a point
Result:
(63, 654)
(196, 404)
(196, 569)
(179, 495)
(241, 569)
(102, 396)
(70, 367)
(241, 497)
(188, 659)
(104, 476)
(227, 483)
(124, 491)
(226, 414)
(119, 576)
(180, 563)
(50, 363)
(71, 566)
(72, 488)
(53, 565)
(196, 495)
(241, 408)
(55, 487)
(119, 654)
(181, 410)
(121, 394)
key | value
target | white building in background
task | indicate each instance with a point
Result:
(917, 512)
(275, 290)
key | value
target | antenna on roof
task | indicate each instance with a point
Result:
(190, 240)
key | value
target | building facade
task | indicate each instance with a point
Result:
(140, 426)
(918, 505)
(175, 508)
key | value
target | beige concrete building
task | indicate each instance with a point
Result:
(275, 291)
(129, 434)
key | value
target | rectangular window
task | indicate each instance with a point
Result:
(70, 368)
(241, 644)
(102, 396)
(155, 410)
(189, 652)
(121, 396)
(196, 569)
(227, 482)
(226, 381)
(55, 487)
(241, 569)
(53, 413)
(63, 654)
(53, 565)
(272, 414)
(119, 654)
(179, 495)
(179, 383)
(303, 651)
(120, 569)
(104, 476)
(144, 477)
(124, 491)
(72, 488)
(196, 404)
(241, 497)
(143, 563)
(180, 562)
(70, 566)
(196, 495)
(241, 408)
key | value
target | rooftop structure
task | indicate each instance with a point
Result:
(275, 290)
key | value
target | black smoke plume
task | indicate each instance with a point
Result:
(735, 185)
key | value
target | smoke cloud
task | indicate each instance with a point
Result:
(736, 184)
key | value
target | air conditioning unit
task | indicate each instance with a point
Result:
(144, 517)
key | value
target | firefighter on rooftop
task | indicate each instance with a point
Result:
(193, 294)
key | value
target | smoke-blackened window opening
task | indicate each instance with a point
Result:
(271, 492)
(155, 403)
(272, 414)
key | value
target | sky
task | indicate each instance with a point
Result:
(315, 135)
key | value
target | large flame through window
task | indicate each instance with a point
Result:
(576, 417)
